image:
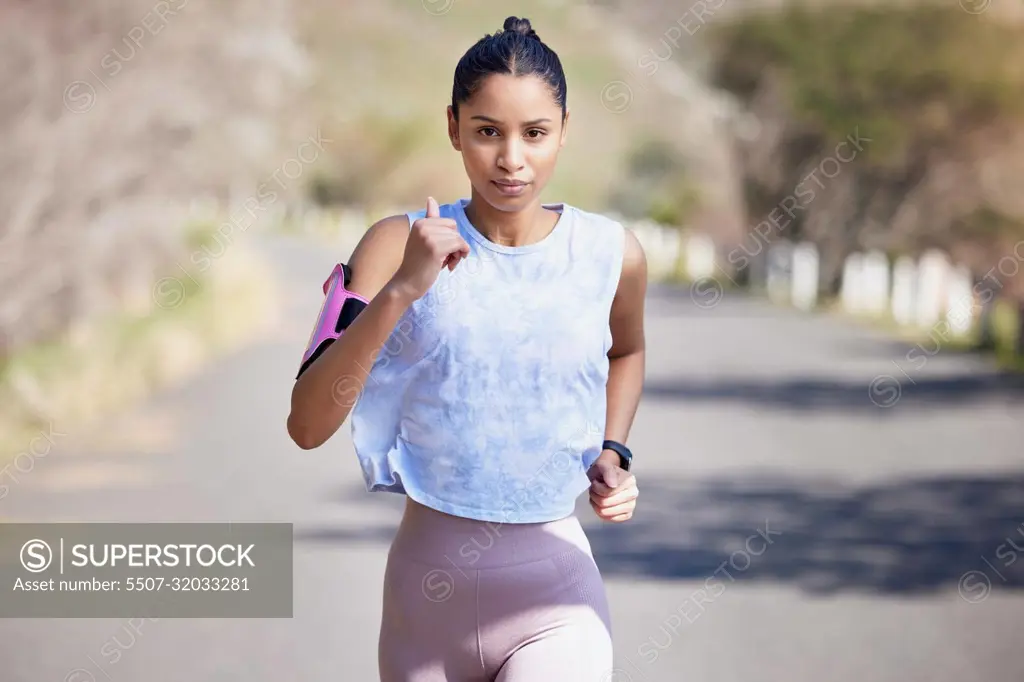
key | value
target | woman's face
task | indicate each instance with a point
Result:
(509, 134)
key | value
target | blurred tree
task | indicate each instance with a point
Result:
(656, 185)
(932, 92)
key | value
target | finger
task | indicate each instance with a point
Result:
(446, 248)
(453, 248)
(604, 490)
(433, 211)
(620, 513)
(445, 227)
(452, 260)
(450, 242)
(441, 229)
(603, 503)
(617, 510)
(618, 498)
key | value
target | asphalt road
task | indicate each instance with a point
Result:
(789, 528)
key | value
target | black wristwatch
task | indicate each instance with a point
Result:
(625, 454)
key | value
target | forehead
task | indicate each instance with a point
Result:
(513, 98)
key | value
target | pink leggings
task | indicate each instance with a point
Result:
(474, 601)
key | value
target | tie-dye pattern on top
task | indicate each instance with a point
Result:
(488, 399)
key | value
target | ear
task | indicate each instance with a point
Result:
(565, 129)
(453, 130)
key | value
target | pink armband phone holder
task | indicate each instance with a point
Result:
(339, 309)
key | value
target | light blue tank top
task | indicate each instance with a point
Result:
(487, 400)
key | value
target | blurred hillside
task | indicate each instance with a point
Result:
(385, 81)
(118, 114)
(115, 115)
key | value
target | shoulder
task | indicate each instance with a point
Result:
(598, 221)
(634, 260)
(382, 236)
(378, 254)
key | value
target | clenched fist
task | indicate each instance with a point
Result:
(613, 491)
(434, 243)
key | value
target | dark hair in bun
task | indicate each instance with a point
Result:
(520, 26)
(515, 50)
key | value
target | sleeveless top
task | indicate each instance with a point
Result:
(487, 400)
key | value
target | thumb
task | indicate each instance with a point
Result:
(610, 474)
(606, 473)
(433, 211)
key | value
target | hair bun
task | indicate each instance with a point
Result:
(520, 26)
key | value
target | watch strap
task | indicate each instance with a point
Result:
(625, 454)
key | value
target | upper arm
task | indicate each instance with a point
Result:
(627, 315)
(378, 255)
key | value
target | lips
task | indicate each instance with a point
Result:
(510, 188)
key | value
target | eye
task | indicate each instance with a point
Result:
(487, 130)
(536, 133)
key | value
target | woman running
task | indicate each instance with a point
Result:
(496, 348)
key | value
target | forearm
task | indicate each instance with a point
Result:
(326, 392)
(625, 384)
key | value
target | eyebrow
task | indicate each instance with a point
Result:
(534, 122)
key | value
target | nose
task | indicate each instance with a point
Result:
(511, 158)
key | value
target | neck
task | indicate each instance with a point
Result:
(510, 228)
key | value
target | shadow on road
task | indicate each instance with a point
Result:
(907, 537)
(894, 390)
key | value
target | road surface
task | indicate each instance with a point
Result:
(788, 529)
